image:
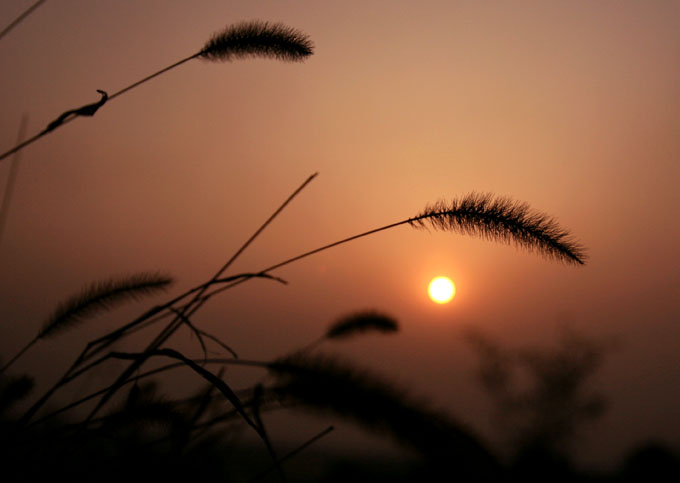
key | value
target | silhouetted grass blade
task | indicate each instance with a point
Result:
(258, 39)
(100, 297)
(504, 220)
(361, 322)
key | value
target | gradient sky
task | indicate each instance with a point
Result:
(572, 106)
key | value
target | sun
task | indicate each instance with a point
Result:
(441, 290)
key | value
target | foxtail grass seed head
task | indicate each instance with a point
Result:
(100, 297)
(258, 39)
(361, 322)
(504, 220)
(328, 384)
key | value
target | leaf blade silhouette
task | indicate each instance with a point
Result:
(102, 296)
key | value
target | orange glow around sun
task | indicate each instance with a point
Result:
(441, 290)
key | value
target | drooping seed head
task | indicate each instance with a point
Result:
(258, 39)
(505, 220)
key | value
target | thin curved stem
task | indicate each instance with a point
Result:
(294, 452)
(116, 94)
(155, 74)
(309, 253)
(21, 18)
(157, 312)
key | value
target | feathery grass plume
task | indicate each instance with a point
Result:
(102, 296)
(504, 220)
(258, 39)
(98, 297)
(361, 322)
(326, 384)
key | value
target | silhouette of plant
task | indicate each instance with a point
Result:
(11, 180)
(162, 433)
(96, 298)
(244, 40)
(541, 397)
(20, 18)
(361, 322)
(301, 379)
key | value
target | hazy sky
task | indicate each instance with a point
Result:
(572, 106)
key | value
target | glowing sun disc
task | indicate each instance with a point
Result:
(441, 290)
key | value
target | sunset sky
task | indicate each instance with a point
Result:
(571, 106)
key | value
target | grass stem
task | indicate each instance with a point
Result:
(21, 18)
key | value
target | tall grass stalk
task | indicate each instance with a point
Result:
(197, 301)
(11, 179)
(532, 230)
(239, 41)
